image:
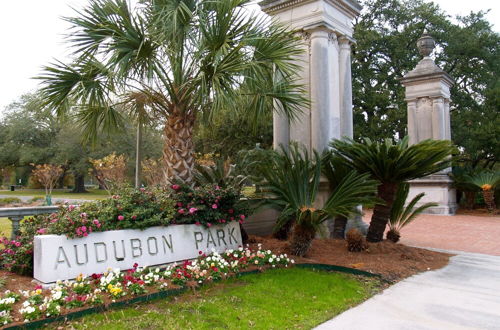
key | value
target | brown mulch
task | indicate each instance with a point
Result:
(393, 261)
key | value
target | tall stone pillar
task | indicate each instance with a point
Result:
(428, 97)
(346, 121)
(326, 30)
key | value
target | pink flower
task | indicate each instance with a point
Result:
(17, 244)
(41, 231)
(214, 206)
(242, 216)
(142, 189)
(83, 215)
(197, 223)
(85, 234)
(84, 229)
(121, 217)
(192, 210)
(175, 187)
(181, 211)
(134, 217)
(240, 221)
(209, 224)
(179, 204)
(95, 222)
(71, 208)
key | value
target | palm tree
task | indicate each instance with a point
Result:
(487, 181)
(335, 170)
(392, 163)
(402, 215)
(292, 182)
(192, 58)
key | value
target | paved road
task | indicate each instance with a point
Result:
(463, 295)
(468, 233)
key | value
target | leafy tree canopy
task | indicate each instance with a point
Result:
(468, 49)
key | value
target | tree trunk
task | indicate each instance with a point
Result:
(283, 232)
(79, 184)
(381, 213)
(489, 199)
(178, 151)
(470, 197)
(339, 227)
(301, 241)
(138, 156)
(60, 181)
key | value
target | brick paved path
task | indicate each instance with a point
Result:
(469, 233)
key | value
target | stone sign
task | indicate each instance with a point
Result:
(57, 257)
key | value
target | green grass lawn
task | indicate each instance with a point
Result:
(5, 227)
(92, 194)
(293, 298)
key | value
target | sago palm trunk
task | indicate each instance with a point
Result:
(381, 213)
(302, 237)
(339, 225)
(489, 199)
(178, 150)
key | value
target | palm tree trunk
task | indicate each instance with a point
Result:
(302, 238)
(381, 213)
(489, 199)
(178, 151)
(469, 199)
(339, 227)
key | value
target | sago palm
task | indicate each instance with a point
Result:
(402, 215)
(292, 181)
(335, 170)
(487, 182)
(391, 163)
(191, 58)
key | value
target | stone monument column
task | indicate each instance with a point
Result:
(326, 30)
(346, 121)
(428, 98)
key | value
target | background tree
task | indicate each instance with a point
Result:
(110, 171)
(47, 175)
(469, 50)
(193, 58)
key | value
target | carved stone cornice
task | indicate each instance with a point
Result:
(351, 7)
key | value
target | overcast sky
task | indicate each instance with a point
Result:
(32, 35)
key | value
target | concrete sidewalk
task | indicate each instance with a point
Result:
(463, 295)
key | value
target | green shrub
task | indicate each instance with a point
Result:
(207, 205)
(17, 255)
(130, 209)
(9, 200)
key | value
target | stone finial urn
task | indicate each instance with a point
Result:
(426, 44)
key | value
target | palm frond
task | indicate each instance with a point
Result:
(395, 162)
(484, 178)
(402, 215)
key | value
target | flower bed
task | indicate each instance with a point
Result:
(128, 209)
(115, 285)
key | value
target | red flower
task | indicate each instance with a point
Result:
(175, 187)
